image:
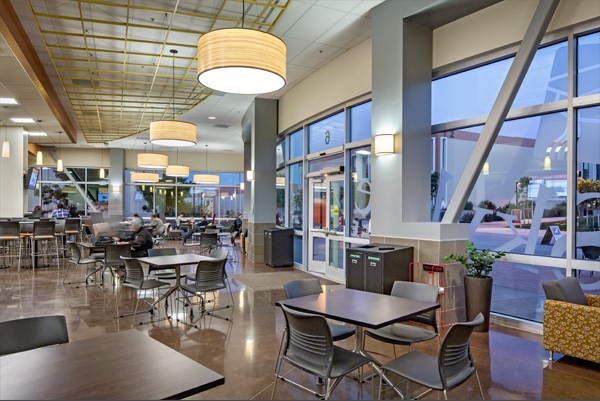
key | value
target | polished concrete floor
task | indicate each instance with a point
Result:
(511, 364)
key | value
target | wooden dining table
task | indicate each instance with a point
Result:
(127, 365)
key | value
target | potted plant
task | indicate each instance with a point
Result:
(478, 283)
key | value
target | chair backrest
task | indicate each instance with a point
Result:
(566, 289)
(418, 292)
(211, 226)
(99, 229)
(454, 359)
(10, 229)
(302, 287)
(308, 340)
(73, 225)
(26, 227)
(75, 251)
(97, 217)
(59, 227)
(162, 251)
(210, 274)
(591, 252)
(209, 238)
(43, 228)
(134, 273)
(34, 332)
(113, 253)
(219, 254)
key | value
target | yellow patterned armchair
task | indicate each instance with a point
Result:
(571, 320)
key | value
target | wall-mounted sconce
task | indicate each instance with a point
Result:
(250, 175)
(547, 163)
(242, 185)
(486, 168)
(384, 144)
(116, 188)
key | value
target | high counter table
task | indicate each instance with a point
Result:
(127, 365)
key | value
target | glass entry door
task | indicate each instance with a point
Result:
(326, 230)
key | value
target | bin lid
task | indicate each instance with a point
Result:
(377, 248)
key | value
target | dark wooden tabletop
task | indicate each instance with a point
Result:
(360, 308)
(127, 365)
(174, 260)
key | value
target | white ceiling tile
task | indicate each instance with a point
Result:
(314, 55)
(316, 21)
(293, 13)
(349, 27)
(365, 6)
(295, 46)
(341, 5)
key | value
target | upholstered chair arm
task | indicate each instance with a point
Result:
(572, 329)
(593, 300)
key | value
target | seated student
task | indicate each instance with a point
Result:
(179, 223)
(158, 227)
(136, 217)
(237, 223)
(60, 212)
(141, 242)
(37, 213)
(195, 228)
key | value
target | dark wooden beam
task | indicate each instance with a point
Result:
(15, 36)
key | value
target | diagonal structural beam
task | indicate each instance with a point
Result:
(533, 37)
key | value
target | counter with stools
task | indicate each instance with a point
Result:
(43, 239)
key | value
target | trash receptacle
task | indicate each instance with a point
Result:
(279, 247)
(375, 267)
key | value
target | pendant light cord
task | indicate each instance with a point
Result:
(243, 12)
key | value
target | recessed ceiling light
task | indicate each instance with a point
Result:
(35, 133)
(212, 118)
(23, 120)
(7, 100)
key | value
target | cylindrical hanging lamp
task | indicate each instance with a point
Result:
(177, 171)
(206, 179)
(5, 149)
(59, 165)
(144, 177)
(39, 159)
(152, 160)
(172, 133)
(241, 60)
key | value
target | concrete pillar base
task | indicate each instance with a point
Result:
(255, 242)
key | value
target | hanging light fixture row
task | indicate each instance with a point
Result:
(241, 60)
(173, 133)
(206, 178)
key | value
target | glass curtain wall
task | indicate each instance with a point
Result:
(519, 202)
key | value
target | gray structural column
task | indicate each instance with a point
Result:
(12, 194)
(262, 117)
(402, 106)
(116, 182)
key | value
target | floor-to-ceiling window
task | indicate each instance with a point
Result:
(519, 203)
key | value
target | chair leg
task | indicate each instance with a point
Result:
(479, 385)
(445, 395)
(551, 356)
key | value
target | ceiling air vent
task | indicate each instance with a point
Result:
(82, 82)
(221, 126)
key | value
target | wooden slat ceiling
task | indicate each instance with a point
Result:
(113, 57)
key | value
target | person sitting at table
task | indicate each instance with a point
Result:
(136, 217)
(237, 223)
(158, 227)
(196, 227)
(60, 212)
(37, 213)
(141, 242)
(179, 222)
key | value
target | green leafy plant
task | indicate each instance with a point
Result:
(479, 263)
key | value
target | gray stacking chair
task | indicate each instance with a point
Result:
(30, 333)
(309, 347)
(407, 334)
(452, 367)
(210, 277)
(217, 254)
(158, 272)
(76, 259)
(134, 278)
(10, 236)
(312, 286)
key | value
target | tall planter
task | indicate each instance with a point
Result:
(478, 299)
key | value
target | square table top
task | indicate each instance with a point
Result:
(366, 309)
(174, 260)
(127, 365)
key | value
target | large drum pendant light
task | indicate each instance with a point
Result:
(241, 60)
(152, 160)
(144, 177)
(173, 133)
